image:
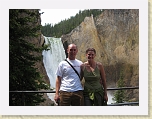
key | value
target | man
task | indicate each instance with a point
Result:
(68, 84)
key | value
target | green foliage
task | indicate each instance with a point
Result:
(46, 47)
(66, 26)
(23, 76)
(119, 94)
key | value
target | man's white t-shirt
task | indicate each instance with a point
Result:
(70, 81)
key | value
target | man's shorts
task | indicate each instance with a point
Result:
(71, 98)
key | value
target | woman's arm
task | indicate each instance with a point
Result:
(81, 71)
(82, 75)
(103, 78)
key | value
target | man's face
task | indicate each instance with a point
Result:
(72, 51)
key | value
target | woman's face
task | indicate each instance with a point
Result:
(90, 55)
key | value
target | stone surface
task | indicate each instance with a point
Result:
(115, 36)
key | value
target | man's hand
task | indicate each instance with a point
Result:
(57, 98)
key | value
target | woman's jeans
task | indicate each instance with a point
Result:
(71, 98)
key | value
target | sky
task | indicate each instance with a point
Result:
(54, 16)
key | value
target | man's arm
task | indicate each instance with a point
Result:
(58, 83)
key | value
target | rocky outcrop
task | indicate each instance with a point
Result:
(115, 36)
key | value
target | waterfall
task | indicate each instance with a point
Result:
(110, 96)
(52, 57)
(54, 54)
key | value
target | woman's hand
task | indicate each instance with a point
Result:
(106, 97)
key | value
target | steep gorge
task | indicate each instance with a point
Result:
(115, 36)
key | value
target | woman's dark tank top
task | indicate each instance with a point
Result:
(92, 78)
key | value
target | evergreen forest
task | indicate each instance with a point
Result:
(67, 25)
(23, 75)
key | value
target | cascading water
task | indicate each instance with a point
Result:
(52, 57)
(54, 54)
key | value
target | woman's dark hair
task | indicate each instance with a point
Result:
(90, 49)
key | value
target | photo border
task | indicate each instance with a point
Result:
(142, 6)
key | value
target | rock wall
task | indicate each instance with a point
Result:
(115, 36)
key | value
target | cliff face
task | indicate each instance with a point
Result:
(115, 36)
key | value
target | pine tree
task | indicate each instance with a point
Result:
(23, 75)
(66, 26)
(119, 94)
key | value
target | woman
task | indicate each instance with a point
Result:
(95, 89)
